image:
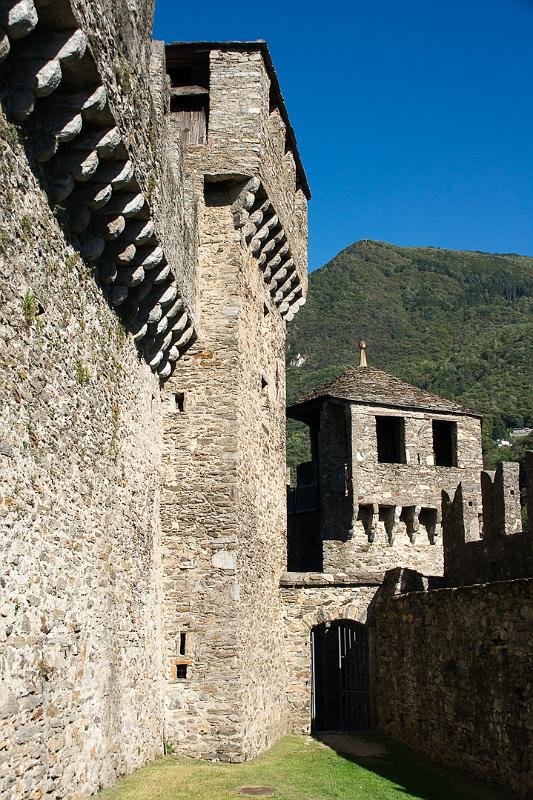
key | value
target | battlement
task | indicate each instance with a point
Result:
(491, 546)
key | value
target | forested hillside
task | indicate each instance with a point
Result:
(457, 323)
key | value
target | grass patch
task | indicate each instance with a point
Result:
(30, 307)
(83, 376)
(124, 77)
(300, 768)
(27, 227)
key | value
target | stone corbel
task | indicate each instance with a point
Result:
(412, 522)
(265, 238)
(74, 134)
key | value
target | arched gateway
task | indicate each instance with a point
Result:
(340, 677)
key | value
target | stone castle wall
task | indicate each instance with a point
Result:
(79, 494)
(80, 434)
(200, 517)
(505, 551)
(454, 677)
(310, 600)
(262, 547)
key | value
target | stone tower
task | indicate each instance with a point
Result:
(382, 453)
(223, 503)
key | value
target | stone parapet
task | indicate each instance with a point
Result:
(500, 492)
(503, 551)
(454, 677)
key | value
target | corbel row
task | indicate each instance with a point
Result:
(399, 519)
(55, 91)
(255, 216)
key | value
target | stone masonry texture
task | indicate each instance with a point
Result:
(79, 496)
(145, 289)
(454, 677)
(224, 412)
(81, 656)
(224, 543)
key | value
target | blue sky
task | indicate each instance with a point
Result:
(414, 118)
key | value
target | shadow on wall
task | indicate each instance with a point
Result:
(412, 775)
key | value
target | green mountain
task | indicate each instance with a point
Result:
(457, 323)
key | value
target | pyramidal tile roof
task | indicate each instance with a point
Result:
(372, 386)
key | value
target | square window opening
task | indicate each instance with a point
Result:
(181, 671)
(189, 93)
(445, 443)
(191, 114)
(390, 433)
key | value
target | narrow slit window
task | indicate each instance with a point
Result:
(183, 639)
(390, 434)
(445, 443)
(179, 402)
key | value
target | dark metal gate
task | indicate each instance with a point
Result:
(340, 677)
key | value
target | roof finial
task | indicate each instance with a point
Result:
(362, 348)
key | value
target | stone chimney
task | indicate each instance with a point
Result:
(362, 349)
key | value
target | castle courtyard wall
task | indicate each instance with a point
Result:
(454, 677)
(80, 445)
(310, 599)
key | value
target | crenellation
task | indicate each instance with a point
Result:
(501, 501)
(504, 551)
